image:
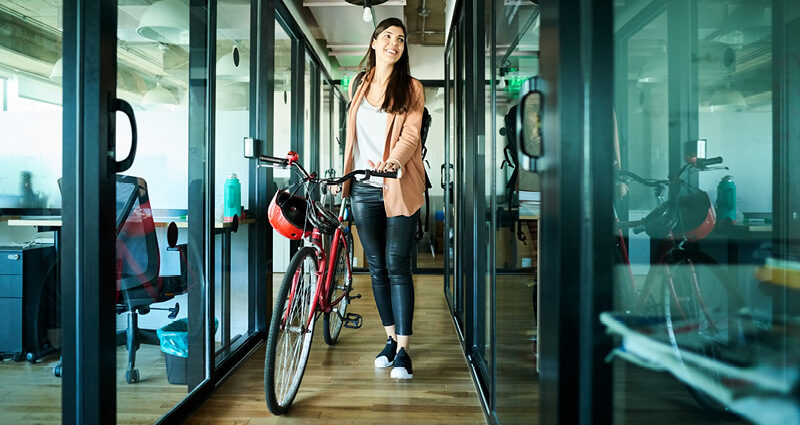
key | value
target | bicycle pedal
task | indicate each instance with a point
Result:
(353, 321)
(352, 297)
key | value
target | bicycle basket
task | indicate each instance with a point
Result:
(287, 215)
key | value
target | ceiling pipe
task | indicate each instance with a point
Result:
(424, 12)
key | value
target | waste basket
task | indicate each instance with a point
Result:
(174, 341)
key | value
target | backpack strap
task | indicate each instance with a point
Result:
(356, 81)
(423, 136)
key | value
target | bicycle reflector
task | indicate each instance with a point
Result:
(287, 215)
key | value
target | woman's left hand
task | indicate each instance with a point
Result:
(388, 166)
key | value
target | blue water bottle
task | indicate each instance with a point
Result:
(232, 198)
(726, 199)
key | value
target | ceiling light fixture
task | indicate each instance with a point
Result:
(158, 96)
(727, 99)
(367, 4)
(749, 22)
(57, 73)
(234, 66)
(654, 69)
(166, 21)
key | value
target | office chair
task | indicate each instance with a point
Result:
(138, 261)
(137, 269)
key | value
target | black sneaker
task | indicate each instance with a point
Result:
(402, 365)
(386, 357)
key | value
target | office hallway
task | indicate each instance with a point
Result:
(341, 385)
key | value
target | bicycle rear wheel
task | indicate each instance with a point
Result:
(340, 287)
(624, 288)
(701, 309)
(289, 339)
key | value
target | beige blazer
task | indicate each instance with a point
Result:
(403, 196)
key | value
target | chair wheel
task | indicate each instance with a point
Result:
(18, 357)
(132, 376)
(31, 357)
(57, 371)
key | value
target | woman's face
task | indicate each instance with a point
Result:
(389, 45)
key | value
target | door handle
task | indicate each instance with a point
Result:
(125, 107)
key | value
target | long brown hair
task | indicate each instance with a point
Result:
(398, 90)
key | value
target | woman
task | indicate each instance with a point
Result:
(383, 131)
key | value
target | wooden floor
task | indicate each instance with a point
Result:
(342, 386)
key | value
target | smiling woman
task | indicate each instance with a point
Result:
(383, 134)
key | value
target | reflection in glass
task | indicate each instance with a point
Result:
(516, 229)
(30, 168)
(691, 290)
(231, 176)
(282, 131)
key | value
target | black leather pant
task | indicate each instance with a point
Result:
(388, 245)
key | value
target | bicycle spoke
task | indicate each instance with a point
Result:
(290, 339)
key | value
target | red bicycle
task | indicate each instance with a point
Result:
(685, 290)
(318, 280)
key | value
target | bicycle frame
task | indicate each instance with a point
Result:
(325, 263)
(324, 273)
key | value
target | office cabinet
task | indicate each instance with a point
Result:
(27, 299)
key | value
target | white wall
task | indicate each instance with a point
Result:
(744, 141)
(427, 62)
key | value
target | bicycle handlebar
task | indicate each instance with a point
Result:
(700, 164)
(291, 160)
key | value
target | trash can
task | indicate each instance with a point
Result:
(174, 340)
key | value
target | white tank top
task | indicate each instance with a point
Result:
(370, 136)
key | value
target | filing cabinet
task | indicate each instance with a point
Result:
(27, 299)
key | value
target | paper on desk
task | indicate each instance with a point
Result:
(743, 388)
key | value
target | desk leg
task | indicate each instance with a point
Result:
(226, 291)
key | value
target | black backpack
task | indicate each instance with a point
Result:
(423, 136)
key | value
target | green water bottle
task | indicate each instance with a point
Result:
(232, 198)
(726, 199)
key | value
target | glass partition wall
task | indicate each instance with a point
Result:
(231, 176)
(185, 310)
(153, 76)
(491, 50)
(516, 202)
(699, 80)
(30, 169)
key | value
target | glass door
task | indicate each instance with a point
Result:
(234, 217)
(517, 205)
(448, 171)
(31, 326)
(701, 94)
(154, 308)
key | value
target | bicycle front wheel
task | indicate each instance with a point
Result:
(341, 286)
(701, 306)
(289, 339)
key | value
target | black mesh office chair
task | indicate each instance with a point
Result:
(138, 261)
(137, 269)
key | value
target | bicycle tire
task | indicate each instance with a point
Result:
(341, 286)
(288, 344)
(624, 289)
(705, 320)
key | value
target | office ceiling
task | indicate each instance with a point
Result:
(338, 25)
(30, 41)
(30, 35)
